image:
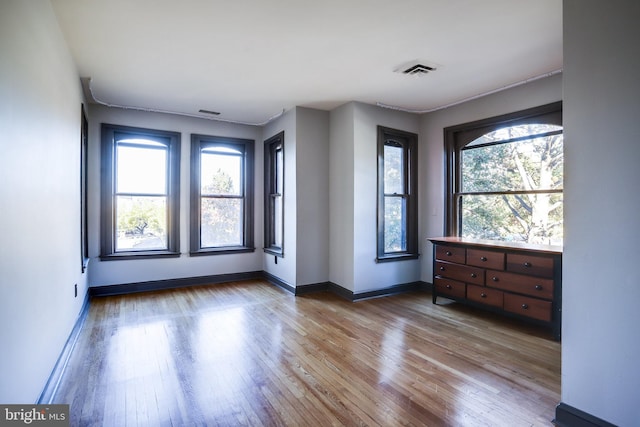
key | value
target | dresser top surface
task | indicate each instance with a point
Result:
(496, 244)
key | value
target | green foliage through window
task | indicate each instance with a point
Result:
(397, 195)
(221, 194)
(508, 182)
(140, 192)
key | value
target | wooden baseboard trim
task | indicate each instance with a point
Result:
(346, 293)
(391, 290)
(568, 416)
(426, 286)
(353, 297)
(157, 285)
(278, 282)
(312, 288)
(51, 386)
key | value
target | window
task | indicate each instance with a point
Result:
(274, 194)
(221, 195)
(397, 195)
(84, 230)
(505, 177)
(140, 192)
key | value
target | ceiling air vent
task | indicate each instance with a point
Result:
(215, 113)
(418, 69)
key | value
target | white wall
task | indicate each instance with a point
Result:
(353, 198)
(140, 270)
(341, 195)
(369, 275)
(312, 196)
(601, 289)
(306, 197)
(432, 186)
(40, 99)
(285, 269)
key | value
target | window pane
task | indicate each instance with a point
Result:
(220, 174)
(141, 223)
(532, 164)
(279, 171)
(394, 224)
(141, 170)
(277, 226)
(393, 170)
(221, 222)
(532, 218)
(511, 132)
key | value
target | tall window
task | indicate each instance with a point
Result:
(140, 192)
(274, 194)
(221, 195)
(506, 177)
(84, 230)
(397, 195)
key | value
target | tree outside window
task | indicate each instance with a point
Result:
(140, 192)
(274, 195)
(221, 195)
(506, 184)
(397, 195)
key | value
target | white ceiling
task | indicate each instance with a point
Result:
(252, 59)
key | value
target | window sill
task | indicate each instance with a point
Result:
(397, 257)
(222, 251)
(138, 255)
(277, 252)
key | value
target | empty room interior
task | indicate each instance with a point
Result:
(321, 213)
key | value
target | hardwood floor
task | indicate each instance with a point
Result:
(249, 353)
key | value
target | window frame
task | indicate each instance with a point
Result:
(108, 192)
(271, 147)
(409, 142)
(84, 228)
(458, 136)
(246, 146)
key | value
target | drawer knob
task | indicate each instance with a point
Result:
(441, 268)
(448, 286)
(525, 306)
(483, 258)
(494, 278)
(538, 287)
(483, 295)
(448, 253)
(527, 264)
(474, 275)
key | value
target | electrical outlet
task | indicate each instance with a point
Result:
(75, 290)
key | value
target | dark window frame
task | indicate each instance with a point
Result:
(271, 148)
(84, 228)
(409, 142)
(172, 141)
(246, 146)
(458, 136)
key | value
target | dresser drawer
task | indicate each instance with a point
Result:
(462, 273)
(526, 306)
(529, 285)
(530, 264)
(485, 295)
(486, 259)
(448, 287)
(451, 253)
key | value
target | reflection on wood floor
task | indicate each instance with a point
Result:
(249, 353)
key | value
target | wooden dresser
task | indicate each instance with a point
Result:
(518, 279)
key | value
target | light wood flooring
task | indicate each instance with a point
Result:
(250, 353)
